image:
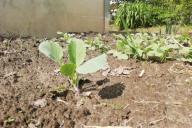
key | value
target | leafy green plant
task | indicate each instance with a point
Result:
(129, 46)
(157, 52)
(151, 47)
(76, 54)
(97, 43)
(137, 14)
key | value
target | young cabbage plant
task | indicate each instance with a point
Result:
(76, 57)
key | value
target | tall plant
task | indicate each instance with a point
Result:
(135, 15)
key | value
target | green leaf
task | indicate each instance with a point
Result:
(93, 65)
(77, 51)
(68, 69)
(52, 50)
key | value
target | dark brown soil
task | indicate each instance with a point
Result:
(161, 98)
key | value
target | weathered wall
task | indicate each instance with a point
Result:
(46, 17)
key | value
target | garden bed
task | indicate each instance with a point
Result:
(32, 94)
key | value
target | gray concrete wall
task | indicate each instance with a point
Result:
(46, 17)
(107, 14)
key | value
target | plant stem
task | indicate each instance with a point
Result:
(75, 82)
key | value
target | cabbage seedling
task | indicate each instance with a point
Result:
(76, 57)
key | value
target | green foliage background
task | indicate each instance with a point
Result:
(146, 13)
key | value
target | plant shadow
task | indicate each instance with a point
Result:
(87, 85)
(56, 94)
(113, 91)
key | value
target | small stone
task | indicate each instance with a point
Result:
(105, 73)
(126, 72)
(31, 125)
(5, 41)
(188, 80)
(119, 70)
(80, 103)
(82, 33)
(87, 94)
(56, 72)
(40, 103)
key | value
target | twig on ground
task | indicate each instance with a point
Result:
(126, 106)
(156, 121)
(146, 102)
(142, 72)
(176, 103)
(59, 100)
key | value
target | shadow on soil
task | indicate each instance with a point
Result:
(113, 91)
(87, 85)
(56, 94)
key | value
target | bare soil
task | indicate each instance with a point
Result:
(31, 94)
